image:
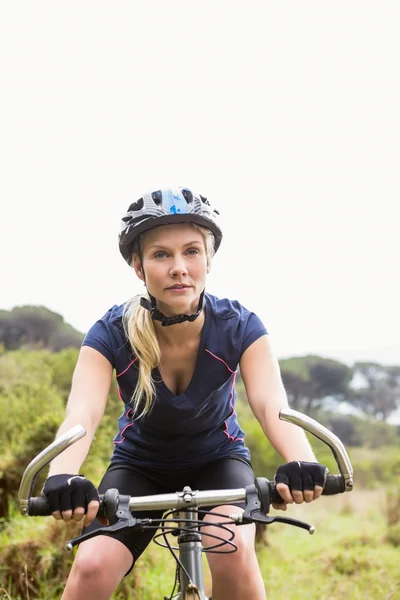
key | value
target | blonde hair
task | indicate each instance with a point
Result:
(140, 331)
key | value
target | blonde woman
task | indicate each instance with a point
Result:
(175, 352)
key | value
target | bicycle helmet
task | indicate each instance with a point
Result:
(165, 207)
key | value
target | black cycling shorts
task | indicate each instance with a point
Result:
(224, 473)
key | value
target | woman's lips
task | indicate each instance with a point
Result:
(178, 288)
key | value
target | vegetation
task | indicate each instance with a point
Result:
(355, 550)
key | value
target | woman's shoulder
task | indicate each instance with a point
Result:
(234, 325)
(111, 319)
(111, 323)
(226, 308)
(107, 334)
(114, 314)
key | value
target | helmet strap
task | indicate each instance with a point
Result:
(157, 315)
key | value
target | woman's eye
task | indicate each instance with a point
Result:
(162, 254)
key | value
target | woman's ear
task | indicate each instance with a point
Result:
(137, 265)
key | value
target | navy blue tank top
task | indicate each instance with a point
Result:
(194, 427)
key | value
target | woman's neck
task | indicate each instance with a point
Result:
(181, 333)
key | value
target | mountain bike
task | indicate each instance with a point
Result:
(181, 510)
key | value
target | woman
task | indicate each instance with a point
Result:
(176, 353)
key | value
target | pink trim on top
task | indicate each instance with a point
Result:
(120, 394)
(233, 439)
(218, 358)
(130, 364)
(124, 429)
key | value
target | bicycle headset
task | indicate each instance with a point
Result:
(166, 207)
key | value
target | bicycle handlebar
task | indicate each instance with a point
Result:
(326, 436)
(335, 484)
(39, 507)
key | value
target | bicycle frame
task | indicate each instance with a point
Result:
(191, 556)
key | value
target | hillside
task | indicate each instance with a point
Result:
(36, 327)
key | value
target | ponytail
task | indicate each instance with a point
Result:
(140, 331)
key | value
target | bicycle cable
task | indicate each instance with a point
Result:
(175, 584)
(199, 524)
(190, 524)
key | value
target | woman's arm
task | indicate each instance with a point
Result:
(266, 395)
(86, 404)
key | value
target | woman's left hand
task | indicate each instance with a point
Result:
(299, 481)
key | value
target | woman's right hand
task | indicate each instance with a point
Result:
(71, 497)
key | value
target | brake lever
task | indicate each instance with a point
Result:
(119, 516)
(253, 512)
(258, 517)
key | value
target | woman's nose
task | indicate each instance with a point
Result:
(178, 267)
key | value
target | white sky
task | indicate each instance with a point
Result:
(285, 114)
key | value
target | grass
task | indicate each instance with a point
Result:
(348, 557)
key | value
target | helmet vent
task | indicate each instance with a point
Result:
(187, 194)
(204, 200)
(138, 205)
(157, 197)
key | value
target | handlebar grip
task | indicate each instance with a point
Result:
(275, 497)
(39, 507)
(334, 484)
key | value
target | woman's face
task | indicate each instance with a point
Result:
(175, 266)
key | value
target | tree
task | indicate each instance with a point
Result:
(36, 326)
(310, 380)
(379, 393)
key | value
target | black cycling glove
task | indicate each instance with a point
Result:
(67, 492)
(301, 476)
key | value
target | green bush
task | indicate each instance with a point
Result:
(374, 469)
(372, 433)
(62, 368)
(393, 535)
